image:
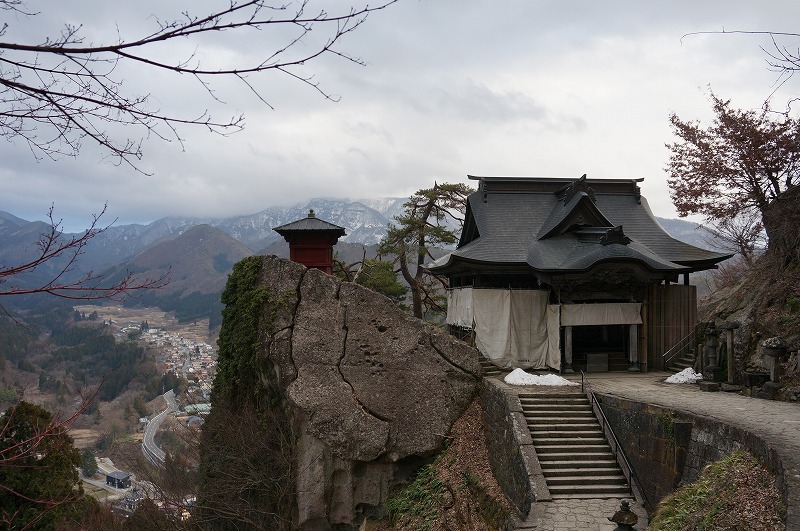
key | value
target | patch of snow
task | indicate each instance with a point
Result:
(520, 377)
(687, 375)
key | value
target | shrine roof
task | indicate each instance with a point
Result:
(309, 224)
(567, 225)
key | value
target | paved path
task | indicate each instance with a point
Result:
(578, 515)
(777, 423)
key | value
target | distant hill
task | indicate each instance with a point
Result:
(199, 261)
(202, 249)
(690, 232)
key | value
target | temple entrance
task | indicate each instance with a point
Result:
(600, 348)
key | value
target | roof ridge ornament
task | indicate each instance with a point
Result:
(579, 185)
(615, 235)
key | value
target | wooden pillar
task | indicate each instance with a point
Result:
(686, 279)
(568, 349)
(633, 347)
(645, 353)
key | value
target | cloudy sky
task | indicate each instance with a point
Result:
(450, 88)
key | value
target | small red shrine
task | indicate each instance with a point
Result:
(311, 241)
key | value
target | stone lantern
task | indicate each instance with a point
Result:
(311, 241)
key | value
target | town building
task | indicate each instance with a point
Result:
(118, 479)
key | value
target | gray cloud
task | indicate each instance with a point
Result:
(451, 87)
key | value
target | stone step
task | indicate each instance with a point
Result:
(559, 490)
(549, 396)
(592, 496)
(573, 449)
(553, 459)
(549, 399)
(574, 455)
(579, 464)
(564, 426)
(586, 479)
(562, 416)
(546, 442)
(564, 402)
(558, 413)
(556, 490)
(567, 434)
(572, 470)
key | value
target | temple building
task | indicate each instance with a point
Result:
(311, 241)
(570, 274)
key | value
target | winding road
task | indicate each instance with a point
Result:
(149, 447)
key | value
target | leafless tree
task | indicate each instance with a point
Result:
(60, 92)
(743, 234)
(54, 247)
(733, 169)
(783, 55)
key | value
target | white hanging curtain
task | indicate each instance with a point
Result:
(492, 314)
(554, 336)
(529, 328)
(511, 328)
(601, 314)
(459, 307)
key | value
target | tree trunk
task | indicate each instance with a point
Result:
(416, 290)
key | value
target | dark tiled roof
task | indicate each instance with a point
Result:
(117, 474)
(310, 223)
(532, 222)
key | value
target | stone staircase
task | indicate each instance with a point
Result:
(576, 459)
(618, 362)
(685, 361)
(489, 368)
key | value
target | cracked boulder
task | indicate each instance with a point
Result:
(371, 379)
(370, 384)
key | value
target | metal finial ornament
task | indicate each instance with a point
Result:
(624, 518)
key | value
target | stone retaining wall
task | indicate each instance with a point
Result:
(511, 454)
(669, 448)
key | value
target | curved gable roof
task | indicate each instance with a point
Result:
(580, 210)
(532, 222)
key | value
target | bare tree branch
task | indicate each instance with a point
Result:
(58, 93)
(54, 247)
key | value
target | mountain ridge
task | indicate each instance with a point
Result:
(365, 220)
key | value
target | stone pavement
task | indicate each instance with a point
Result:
(578, 515)
(776, 423)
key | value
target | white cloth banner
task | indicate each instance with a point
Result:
(459, 307)
(554, 336)
(529, 328)
(601, 314)
(511, 328)
(492, 313)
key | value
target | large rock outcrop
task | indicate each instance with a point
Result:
(370, 388)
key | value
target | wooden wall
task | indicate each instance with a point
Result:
(671, 315)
